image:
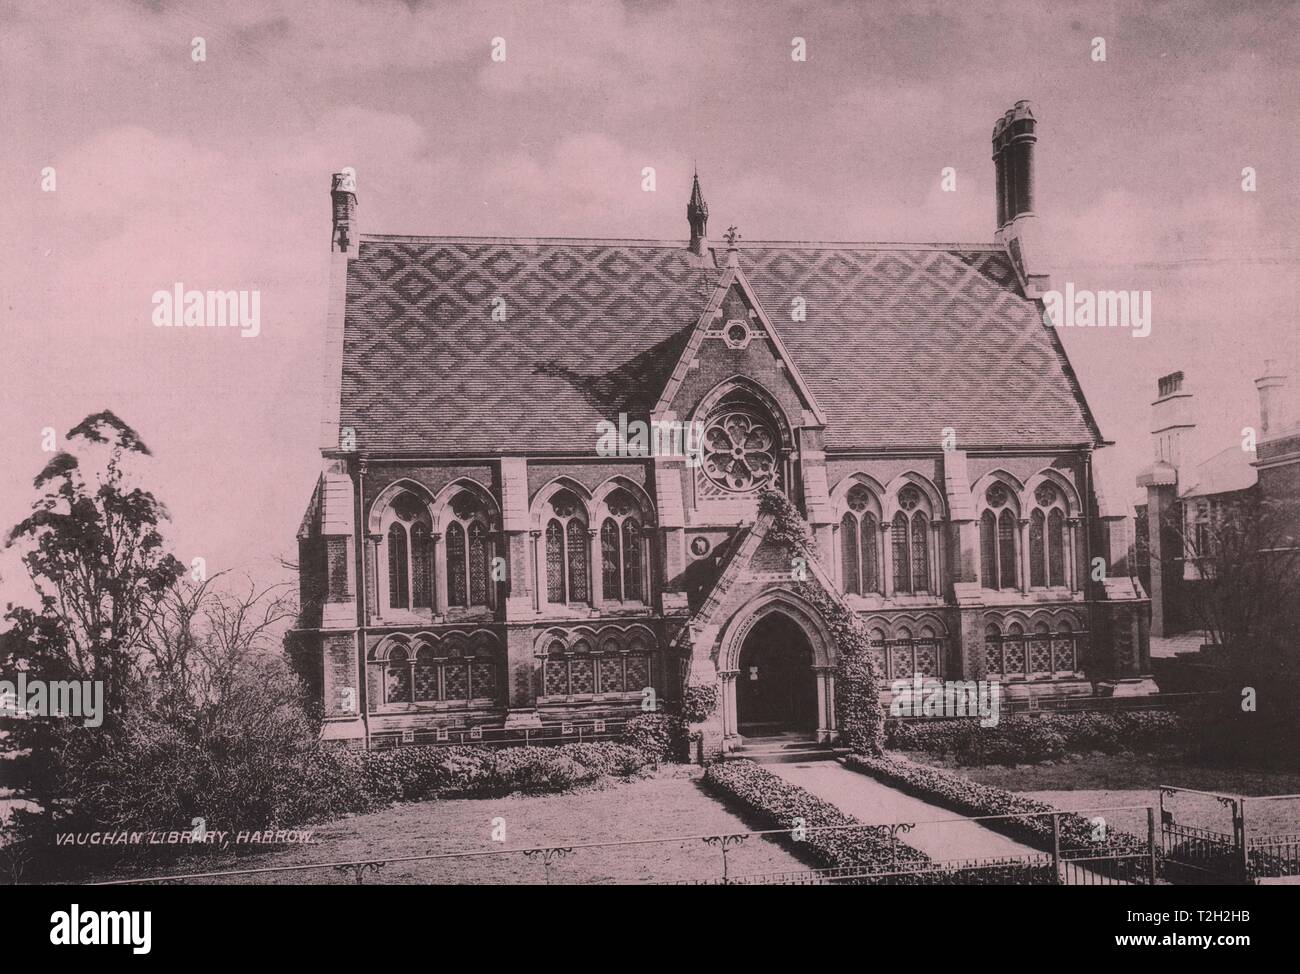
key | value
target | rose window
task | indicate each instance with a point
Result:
(739, 451)
(1045, 495)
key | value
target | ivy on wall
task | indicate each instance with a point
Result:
(857, 703)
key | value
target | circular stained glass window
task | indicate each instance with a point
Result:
(740, 450)
(996, 495)
(908, 498)
(859, 498)
(1045, 495)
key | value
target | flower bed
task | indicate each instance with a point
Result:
(779, 804)
(960, 794)
(1021, 738)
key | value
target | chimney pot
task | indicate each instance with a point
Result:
(1272, 389)
(343, 197)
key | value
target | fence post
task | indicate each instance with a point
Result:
(1056, 847)
(1243, 842)
(1151, 843)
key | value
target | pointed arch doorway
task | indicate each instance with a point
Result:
(776, 684)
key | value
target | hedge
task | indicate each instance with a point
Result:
(414, 773)
(778, 804)
(1022, 738)
(961, 794)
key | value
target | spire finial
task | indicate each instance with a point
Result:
(697, 215)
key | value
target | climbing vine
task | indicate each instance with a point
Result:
(857, 700)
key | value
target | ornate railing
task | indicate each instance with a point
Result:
(548, 863)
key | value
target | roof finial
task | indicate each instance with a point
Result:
(697, 215)
(731, 236)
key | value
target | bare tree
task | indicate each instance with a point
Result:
(1245, 562)
(208, 636)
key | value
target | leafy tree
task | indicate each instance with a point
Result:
(97, 560)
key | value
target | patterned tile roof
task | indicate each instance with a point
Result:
(900, 341)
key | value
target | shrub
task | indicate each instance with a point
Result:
(699, 703)
(660, 737)
(1022, 738)
(416, 773)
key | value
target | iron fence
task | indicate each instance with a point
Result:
(547, 864)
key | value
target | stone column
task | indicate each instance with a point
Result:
(727, 702)
(535, 537)
(439, 569)
(596, 571)
(823, 703)
(936, 554)
(887, 556)
(1022, 561)
(1072, 553)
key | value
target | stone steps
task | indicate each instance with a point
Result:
(784, 749)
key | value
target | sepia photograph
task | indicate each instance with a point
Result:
(495, 443)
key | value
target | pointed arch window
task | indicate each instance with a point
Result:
(1056, 547)
(902, 563)
(1007, 550)
(409, 542)
(860, 542)
(469, 551)
(566, 549)
(998, 539)
(397, 677)
(1047, 537)
(911, 542)
(920, 552)
(621, 550)
(1037, 559)
(398, 567)
(850, 564)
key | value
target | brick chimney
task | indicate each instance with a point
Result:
(343, 194)
(1272, 388)
(1014, 137)
(1172, 420)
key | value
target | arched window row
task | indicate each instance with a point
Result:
(417, 576)
(1030, 551)
(901, 563)
(911, 650)
(1038, 650)
(453, 671)
(608, 663)
(567, 543)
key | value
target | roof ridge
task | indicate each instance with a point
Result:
(684, 245)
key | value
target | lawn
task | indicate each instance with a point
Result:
(668, 803)
(1113, 780)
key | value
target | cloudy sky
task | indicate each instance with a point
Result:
(216, 174)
